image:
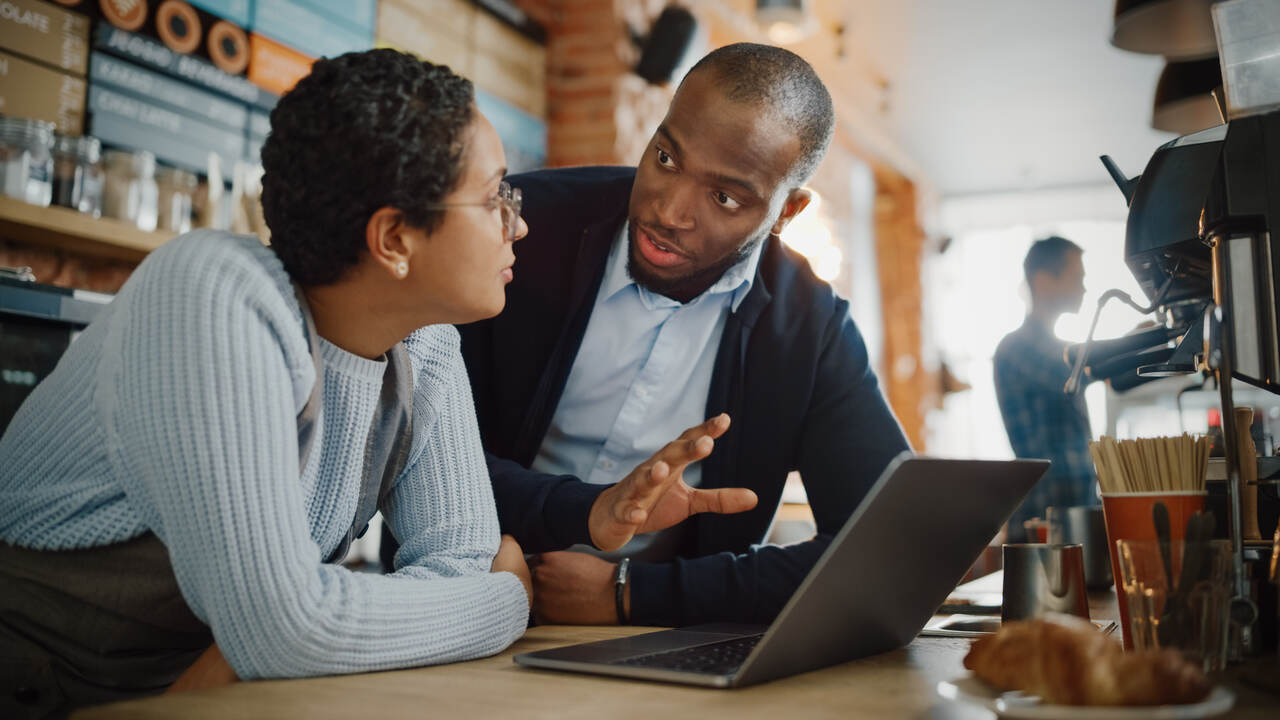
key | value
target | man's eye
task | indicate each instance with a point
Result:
(664, 159)
(725, 201)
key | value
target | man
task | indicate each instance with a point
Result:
(647, 299)
(1030, 374)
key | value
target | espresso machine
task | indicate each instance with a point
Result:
(1241, 337)
(1203, 241)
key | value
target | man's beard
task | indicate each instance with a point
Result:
(684, 289)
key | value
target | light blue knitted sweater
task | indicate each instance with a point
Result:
(175, 412)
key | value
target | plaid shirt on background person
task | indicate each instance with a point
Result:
(1043, 421)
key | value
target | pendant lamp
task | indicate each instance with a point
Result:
(1176, 29)
(1184, 101)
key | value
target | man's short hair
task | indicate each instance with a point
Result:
(363, 131)
(1048, 255)
(780, 81)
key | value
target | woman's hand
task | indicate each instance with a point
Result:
(210, 670)
(510, 558)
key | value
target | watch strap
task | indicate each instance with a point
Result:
(620, 589)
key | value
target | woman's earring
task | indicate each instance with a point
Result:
(402, 269)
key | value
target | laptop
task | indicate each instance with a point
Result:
(904, 548)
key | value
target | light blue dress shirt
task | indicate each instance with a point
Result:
(640, 378)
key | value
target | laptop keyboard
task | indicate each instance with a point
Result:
(719, 658)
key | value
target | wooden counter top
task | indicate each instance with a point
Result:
(898, 684)
(895, 684)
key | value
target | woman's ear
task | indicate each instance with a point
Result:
(384, 235)
(796, 201)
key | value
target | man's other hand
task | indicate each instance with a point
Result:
(572, 588)
(655, 496)
(510, 558)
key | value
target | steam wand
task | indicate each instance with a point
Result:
(1073, 382)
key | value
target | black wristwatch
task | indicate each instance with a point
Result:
(620, 589)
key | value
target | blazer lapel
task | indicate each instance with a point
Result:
(728, 394)
(588, 272)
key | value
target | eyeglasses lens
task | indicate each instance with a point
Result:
(510, 201)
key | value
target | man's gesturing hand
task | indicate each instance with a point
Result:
(654, 496)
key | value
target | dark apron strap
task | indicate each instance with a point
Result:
(386, 452)
(387, 449)
(311, 411)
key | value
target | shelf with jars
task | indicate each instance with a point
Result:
(55, 191)
(72, 230)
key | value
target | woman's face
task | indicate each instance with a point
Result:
(466, 265)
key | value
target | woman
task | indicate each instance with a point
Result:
(198, 454)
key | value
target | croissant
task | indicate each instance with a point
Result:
(1065, 661)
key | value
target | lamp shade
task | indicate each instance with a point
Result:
(1183, 101)
(667, 44)
(784, 21)
(1176, 29)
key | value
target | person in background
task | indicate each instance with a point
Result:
(200, 460)
(1031, 371)
(649, 298)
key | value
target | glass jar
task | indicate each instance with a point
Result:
(177, 187)
(130, 193)
(26, 160)
(77, 174)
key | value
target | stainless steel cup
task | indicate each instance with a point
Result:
(1040, 578)
(1084, 525)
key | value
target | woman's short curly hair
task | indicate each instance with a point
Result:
(363, 131)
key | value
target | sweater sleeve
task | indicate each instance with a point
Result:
(199, 411)
(442, 509)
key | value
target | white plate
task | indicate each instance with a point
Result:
(1015, 705)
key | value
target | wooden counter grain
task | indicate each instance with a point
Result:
(895, 684)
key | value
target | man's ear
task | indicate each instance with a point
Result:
(384, 238)
(796, 201)
(1040, 282)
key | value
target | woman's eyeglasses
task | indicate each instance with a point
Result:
(508, 201)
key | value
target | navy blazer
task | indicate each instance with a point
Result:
(791, 371)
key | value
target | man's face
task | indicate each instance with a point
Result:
(1064, 291)
(709, 187)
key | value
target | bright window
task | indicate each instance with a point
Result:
(975, 295)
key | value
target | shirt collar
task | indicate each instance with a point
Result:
(736, 280)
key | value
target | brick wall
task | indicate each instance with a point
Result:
(598, 112)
